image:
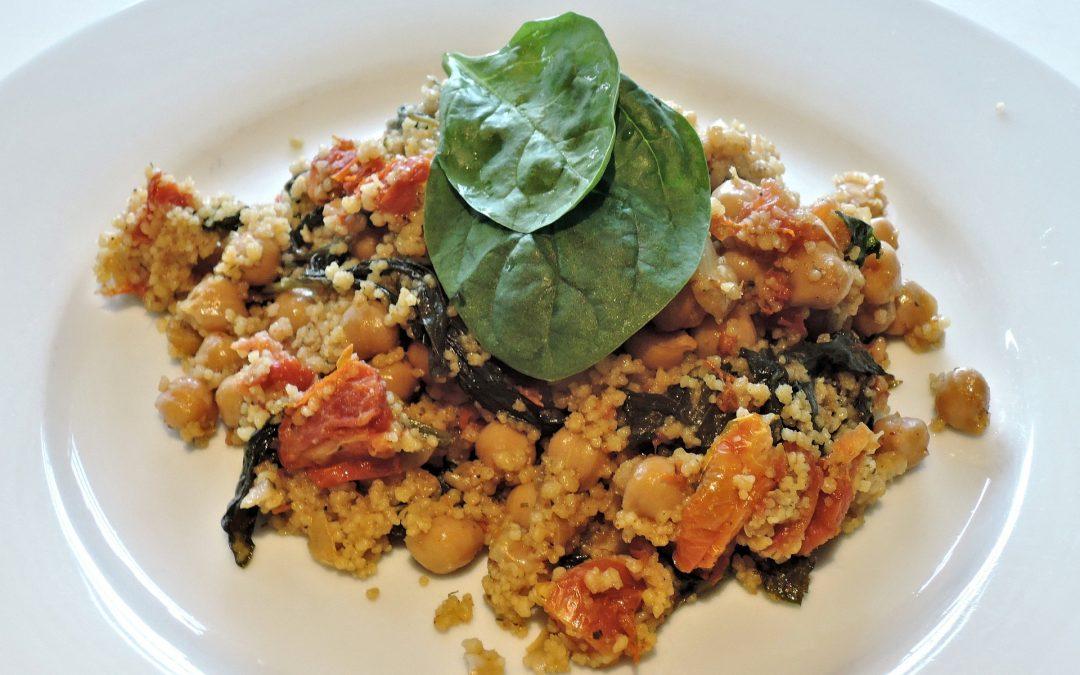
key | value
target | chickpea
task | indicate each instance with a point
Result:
(575, 452)
(825, 209)
(745, 267)
(709, 281)
(820, 278)
(447, 393)
(216, 353)
(183, 339)
(293, 305)
(660, 350)
(914, 307)
(187, 405)
(682, 312)
(736, 331)
(363, 247)
(879, 351)
(265, 269)
(513, 551)
(449, 545)
(208, 304)
(520, 503)
(708, 337)
(874, 319)
(885, 231)
(207, 264)
(229, 396)
(907, 437)
(419, 357)
(415, 460)
(655, 488)
(364, 327)
(401, 379)
(962, 399)
(882, 273)
(562, 532)
(734, 194)
(504, 448)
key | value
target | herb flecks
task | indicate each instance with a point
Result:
(863, 240)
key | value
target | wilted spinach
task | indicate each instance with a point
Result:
(766, 369)
(526, 131)
(788, 581)
(646, 414)
(862, 237)
(843, 351)
(555, 301)
(489, 384)
(225, 224)
(239, 522)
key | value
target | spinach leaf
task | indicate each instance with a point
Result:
(553, 302)
(646, 414)
(239, 523)
(862, 237)
(526, 131)
(844, 351)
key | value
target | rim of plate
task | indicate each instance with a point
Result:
(978, 629)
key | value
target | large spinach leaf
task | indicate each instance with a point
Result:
(527, 130)
(553, 302)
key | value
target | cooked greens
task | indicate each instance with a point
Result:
(788, 581)
(766, 369)
(555, 301)
(224, 224)
(239, 522)
(489, 384)
(526, 131)
(646, 414)
(863, 240)
(843, 351)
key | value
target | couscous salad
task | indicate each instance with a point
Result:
(546, 316)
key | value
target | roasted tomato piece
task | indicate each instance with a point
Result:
(403, 181)
(164, 195)
(342, 418)
(285, 369)
(367, 468)
(740, 468)
(343, 168)
(597, 619)
(788, 538)
(842, 465)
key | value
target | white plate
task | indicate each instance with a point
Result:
(114, 559)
